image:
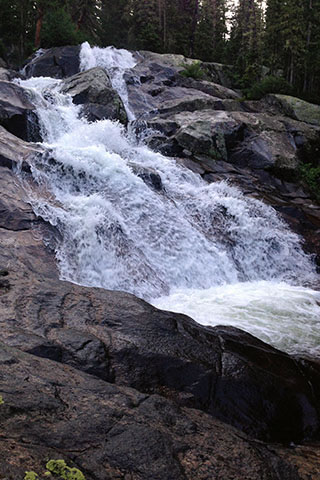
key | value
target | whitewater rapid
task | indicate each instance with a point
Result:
(204, 250)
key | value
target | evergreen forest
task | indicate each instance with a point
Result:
(279, 38)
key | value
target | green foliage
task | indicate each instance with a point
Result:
(31, 476)
(311, 175)
(267, 85)
(59, 467)
(193, 71)
(58, 29)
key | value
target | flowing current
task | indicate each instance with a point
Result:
(183, 245)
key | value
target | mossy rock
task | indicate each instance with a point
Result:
(299, 109)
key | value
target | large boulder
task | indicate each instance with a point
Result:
(17, 113)
(123, 340)
(216, 72)
(94, 91)
(57, 62)
(295, 108)
(254, 140)
(156, 85)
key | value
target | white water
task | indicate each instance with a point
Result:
(205, 250)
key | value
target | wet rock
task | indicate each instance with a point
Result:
(15, 214)
(94, 91)
(57, 62)
(8, 74)
(149, 176)
(15, 153)
(119, 338)
(15, 110)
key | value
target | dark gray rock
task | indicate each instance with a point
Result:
(57, 62)
(17, 113)
(94, 91)
(222, 371)
(52, 411)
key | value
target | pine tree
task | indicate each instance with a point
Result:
(274, 39)
(211, 31)
(145, 33)
(115, 23)
(86, 15)
(311, 74)
(245, 44)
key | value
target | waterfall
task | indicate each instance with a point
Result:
(198, 248)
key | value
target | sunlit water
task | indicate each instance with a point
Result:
(204, 250)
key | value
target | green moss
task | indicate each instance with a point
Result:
(1, 400)
(31, 475)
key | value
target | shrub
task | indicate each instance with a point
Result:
(57, 469)
(193, 71)
(31, 476)
(311, 175)
(267, 85)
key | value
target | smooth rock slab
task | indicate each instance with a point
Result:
(52, 411)
(296, 108)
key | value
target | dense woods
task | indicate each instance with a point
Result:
(282, 35)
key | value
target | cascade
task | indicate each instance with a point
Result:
(184, 245)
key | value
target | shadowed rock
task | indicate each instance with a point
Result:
(17, 113)
(57, 62)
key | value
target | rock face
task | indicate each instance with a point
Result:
(16, 111)
(296, 108)
(57, 62)
(94, 91)
(125, 341)
(14, 153)
(109, 383)
(54, 411)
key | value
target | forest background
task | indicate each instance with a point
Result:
(277, 38)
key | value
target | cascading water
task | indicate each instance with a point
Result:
(205, 250)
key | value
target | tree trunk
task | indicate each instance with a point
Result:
(39, 27)
(306, 66)
(193, 27)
